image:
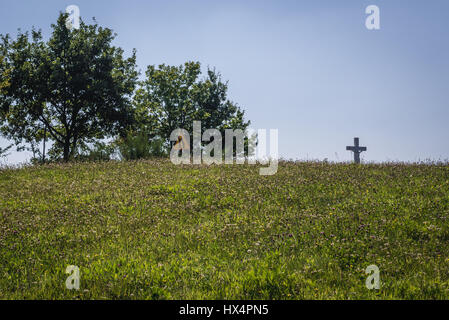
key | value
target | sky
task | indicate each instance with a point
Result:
(310, 69)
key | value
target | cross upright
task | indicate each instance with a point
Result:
(356, 149)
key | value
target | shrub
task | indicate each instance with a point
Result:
(100, 151)
(140, 146)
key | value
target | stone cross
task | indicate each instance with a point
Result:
(356, 149)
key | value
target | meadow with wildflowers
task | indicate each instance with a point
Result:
(153, 230)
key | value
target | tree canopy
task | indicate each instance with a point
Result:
(74, 88)
(173, 97)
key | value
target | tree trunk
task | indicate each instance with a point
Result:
(43, 150)
(75, 140)
(66, 150)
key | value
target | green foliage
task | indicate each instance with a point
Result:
(158, 148)
(4, 75)
(76, 85)
(99, 151)
(76, 88)
(173, 97)
(138, 145)
(153, 230)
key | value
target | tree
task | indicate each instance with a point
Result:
(173, 97)
(4, 84)
(74, 89)
(4, 75)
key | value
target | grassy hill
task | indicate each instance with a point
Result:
(153, 230)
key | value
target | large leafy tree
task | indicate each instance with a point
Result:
(4, 75)
(74, 88)
(173, 97)
(15, 122)
(4, 83)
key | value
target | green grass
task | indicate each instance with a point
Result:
(153, 230)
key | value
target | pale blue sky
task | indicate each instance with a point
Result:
(308, 68)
